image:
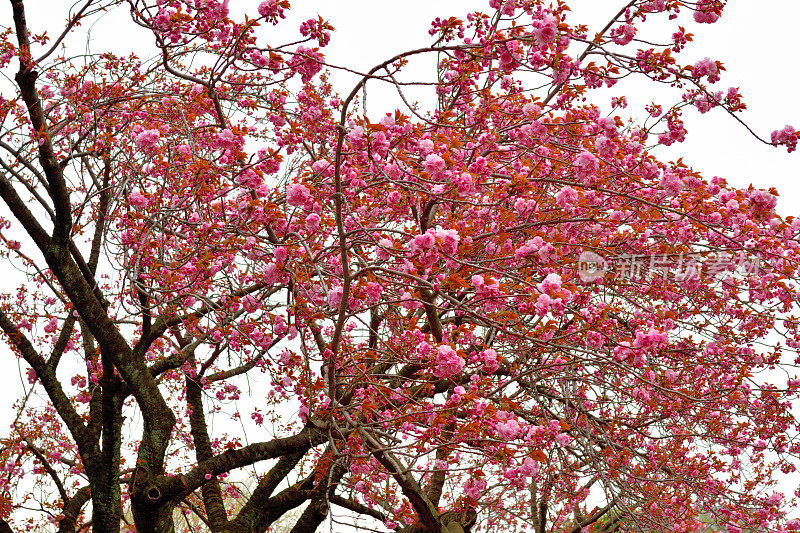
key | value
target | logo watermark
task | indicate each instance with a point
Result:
(681, 266)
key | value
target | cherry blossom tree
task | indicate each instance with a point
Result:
(243, 300)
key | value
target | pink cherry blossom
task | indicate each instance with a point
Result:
(704, 13)
(490, 361)
(297, 195)
(706, 67)
(567, 197)
(508, 430)
(138, 200)
(605, 147)
(786, 136)
(586, 164)
(433, 164)
(447, 363)
(623, 34)
(473, 488)
(550, 284)
(148, 139)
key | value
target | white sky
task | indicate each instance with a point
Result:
(753, 40)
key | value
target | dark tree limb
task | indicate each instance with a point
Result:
(71, 272)
(61, 343)
(449, 522)
(439, 475)
(107, 491)
(211, 492)
(255, 510)
(356, 507)
(275, 507)
(426, 510)
(48, 468)
(26, 80)
(312, 516)
(52, 387)
(317, 510)
(592, 518)
(72, 510)
(178, 486)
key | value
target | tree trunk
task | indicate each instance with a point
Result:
(151, 519)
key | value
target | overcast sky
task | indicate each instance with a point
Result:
(753, 40)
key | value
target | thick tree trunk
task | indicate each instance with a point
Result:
(106, 490)
(106, 514)
(152, 509)
(150, 519)
(211, 492)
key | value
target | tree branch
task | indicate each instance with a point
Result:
(356, 507)
(26, 80)
(177, 486)
(256, 509)
(52, 387)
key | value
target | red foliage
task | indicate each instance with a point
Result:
(506, 305)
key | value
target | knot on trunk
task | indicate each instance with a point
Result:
(145, 486)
